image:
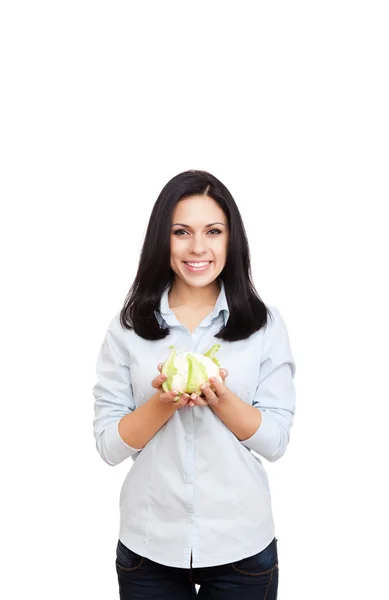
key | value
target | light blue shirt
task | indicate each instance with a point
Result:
(195, 489)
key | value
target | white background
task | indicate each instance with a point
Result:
(102, 103)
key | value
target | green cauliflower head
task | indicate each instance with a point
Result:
(187, 371)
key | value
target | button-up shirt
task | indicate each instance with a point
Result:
(195, 490)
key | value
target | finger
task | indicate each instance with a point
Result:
(170, 397)
(180, 401)
(197, 400)
(223, 373)
(158, 381)
(189, 399)
(209, 394)
(160, 365)
(219, 387)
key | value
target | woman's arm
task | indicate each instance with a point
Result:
(120, 429)
(241, 418)
(138, 427)
(265, 426)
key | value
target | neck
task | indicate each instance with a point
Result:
(195, 297)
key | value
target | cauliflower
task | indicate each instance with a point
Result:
(187, 371)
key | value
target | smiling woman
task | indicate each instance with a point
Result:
(195, 240)
(197, 499)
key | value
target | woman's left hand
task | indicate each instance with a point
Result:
(211, 397)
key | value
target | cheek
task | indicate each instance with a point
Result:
(176, 250)
(173, 248)
(222, 249)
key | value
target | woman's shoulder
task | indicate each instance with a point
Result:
(274, 323)
(275, 314)
(116, 330)
(276, 332)
(114, 325)
(120, 323)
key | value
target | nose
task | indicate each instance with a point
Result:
(198, 245)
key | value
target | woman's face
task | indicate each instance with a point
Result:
(198, 240)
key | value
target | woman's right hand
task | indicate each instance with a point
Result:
(168, 397)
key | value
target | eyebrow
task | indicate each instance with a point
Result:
(189, 227)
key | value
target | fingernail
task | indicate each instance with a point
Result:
(191, 403)
(203, 387)
(193, 396)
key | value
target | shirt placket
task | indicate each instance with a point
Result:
(192, 340)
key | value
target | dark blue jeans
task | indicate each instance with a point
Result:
(253, 578)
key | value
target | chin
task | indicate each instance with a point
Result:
(200, 282)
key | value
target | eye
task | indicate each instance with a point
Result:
(182, 232)
(179, 232)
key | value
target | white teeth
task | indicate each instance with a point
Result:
(203, 264)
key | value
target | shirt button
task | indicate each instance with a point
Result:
(191, 520)
(189, 437)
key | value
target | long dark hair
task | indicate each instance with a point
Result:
(248, 313)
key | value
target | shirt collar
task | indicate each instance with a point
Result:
(166, 314)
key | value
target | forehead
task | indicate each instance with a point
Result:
(198, 209)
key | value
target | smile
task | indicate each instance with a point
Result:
(197, 266)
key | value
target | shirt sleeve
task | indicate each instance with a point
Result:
(113, 396)
(275, 396)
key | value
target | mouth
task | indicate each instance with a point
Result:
(197, 266)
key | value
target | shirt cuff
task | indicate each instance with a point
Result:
(115, 449)
(266, 440)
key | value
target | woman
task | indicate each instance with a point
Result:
(195, 506)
